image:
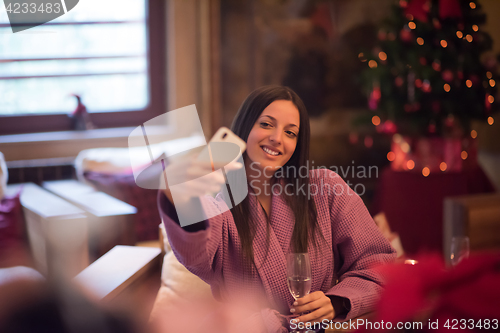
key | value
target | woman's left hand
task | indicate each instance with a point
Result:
(317, 303)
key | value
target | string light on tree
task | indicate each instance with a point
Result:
(420, 41)
(382, 56)
(473, 134)
(412, 25)
(410, 164)
(492, 83)
(468, 83)
(443, 43)
(447, 87)
(472, 5)
(475, 28)
(376, 120)
(372, 64)
(469, 38)
(491, 120)
(460, 34)
(464, 155)
(426, 171)
(391, 156)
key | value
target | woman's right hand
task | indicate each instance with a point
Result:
(196, 176)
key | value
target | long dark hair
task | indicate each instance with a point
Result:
(304, 210)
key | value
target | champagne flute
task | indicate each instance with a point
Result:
(459, 249)
(298, 269)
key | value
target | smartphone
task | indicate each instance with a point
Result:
(223, 148)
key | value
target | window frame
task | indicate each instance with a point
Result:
(156, 55)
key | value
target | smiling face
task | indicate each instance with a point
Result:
(273, 138)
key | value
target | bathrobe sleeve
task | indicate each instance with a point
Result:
(198, 246)
(358, 246)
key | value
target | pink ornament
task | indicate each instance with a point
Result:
(447, 75)
(436, 66)
(426, 86)
(389, 127)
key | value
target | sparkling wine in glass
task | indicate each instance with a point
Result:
(298, 269)
(459, 249)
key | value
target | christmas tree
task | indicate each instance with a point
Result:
(428, 74)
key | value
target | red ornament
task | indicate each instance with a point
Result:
(436, 23)
(419, 9)
(436, 66)
(449, 9)
(406, 35)
(418, 83)
(374, 98)
(447, 75)
(426, 86)
(389, 127)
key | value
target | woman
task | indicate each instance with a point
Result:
(242, 252)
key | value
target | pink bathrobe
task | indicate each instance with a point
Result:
(342, 266)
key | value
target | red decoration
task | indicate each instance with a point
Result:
(419, 9)
(388, 127)
(418, 83)
(423, 61)
(449, 9)
(436, 23)
(399, 81)
(416, 8)
(447, 75)
(436, 66)
(374, 99)
(405, 35)
(426, 86)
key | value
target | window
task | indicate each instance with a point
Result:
(111, 53)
